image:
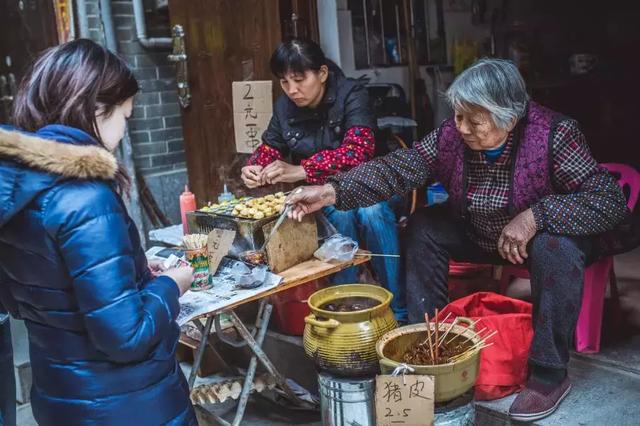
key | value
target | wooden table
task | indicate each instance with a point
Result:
(298, 275)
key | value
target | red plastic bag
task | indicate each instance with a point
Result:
(503, 366)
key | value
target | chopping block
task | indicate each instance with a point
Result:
(293, 243)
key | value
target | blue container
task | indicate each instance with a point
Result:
(436, 194)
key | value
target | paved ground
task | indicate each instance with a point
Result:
(606, 390)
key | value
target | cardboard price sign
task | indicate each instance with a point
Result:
(218, 244)
(404, 400)
(252, 109)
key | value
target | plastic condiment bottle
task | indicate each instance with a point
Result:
(226, 195)
(187, 204)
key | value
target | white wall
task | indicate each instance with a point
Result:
(328, 23)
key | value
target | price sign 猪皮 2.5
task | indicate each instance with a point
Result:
(404, 400)
(219, 242)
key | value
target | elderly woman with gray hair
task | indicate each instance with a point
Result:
(523, 188)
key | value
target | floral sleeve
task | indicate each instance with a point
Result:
(264, 155)
(358, 146)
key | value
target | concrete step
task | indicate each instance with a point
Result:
(606, 390)
(287, 355)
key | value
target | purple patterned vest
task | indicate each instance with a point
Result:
(531, 174)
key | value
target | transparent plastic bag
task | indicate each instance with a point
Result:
(325, 228)
(246, 277)
(337, 247)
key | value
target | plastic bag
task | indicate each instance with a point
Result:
(244, 276)
(503, 366)
(337, 247)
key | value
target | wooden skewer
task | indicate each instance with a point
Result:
(480, 343)
(424, 342)
(467, 337)
(467, 352)
(485, 338)
(480, 331)
(426, 318)
(446, 318)
(377, 255)
(446, 333)
(484, 346)
(437, 332)
(461, 335)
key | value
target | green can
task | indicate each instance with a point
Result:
(199, 261)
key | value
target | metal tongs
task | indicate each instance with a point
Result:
(283, 216)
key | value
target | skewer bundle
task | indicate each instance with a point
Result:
(437, 349)
(197, 257)
(195, 241)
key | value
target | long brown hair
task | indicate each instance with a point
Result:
(67, 84)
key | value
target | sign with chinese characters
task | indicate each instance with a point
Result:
(252, 109)
(218, 244)
(404, 400)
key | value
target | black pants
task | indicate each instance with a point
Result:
(7, 378)
(556, 265)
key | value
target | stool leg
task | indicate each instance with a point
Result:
(615, 299)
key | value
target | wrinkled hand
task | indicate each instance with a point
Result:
(512, 244)
(309, 199)
(183, 276)
(280, 171)
(251, 176)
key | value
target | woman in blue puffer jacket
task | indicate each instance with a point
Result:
(102, 328)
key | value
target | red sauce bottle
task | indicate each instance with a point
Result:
(187, 204)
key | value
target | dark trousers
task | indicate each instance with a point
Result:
(556, 265)
(7, 378)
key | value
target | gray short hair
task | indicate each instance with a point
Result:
(493, 84)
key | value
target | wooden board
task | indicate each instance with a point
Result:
(293, 243)
(314, 269)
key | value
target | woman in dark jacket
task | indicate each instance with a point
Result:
(322, 125)
(102, 330)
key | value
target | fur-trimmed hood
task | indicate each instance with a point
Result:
(32, 163)
(59, 158)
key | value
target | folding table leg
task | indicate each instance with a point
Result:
(262, 323)
(256, 346)
(219, 357)
(208, 418)
(200, 352)
(257, 350)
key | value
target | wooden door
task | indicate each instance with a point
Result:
(226, 41)
(27, 27)
(299, 18)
